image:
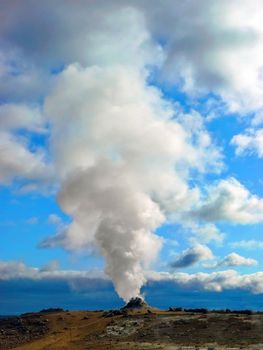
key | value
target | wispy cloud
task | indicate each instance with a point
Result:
(234, 259)
(249, 244)
(32, 221)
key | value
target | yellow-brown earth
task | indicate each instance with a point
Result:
(142, 329)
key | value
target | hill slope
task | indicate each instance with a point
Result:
(138, 330)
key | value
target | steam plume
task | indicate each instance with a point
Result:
(123, 157)
(117, 145)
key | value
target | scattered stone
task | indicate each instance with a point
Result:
(19, 330)
(112, 313)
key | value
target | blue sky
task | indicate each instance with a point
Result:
(131, 146)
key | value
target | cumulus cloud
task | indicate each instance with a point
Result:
(235, 259)
(205, 44)
(191, 256)
(249, 142)
(209, 43)
(230, 201)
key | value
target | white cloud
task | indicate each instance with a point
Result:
(91, 34)
(249, 142)
(191, 256)
(215, 281)
(18, 270)
(213, 46)
(206, 45)
(21, 81)
(235, 259)
(17, 161)
(204, 233)
(258, 119)
(54, 219)
(250, 244)
(51, 266)
(21, 116)
(230, 201)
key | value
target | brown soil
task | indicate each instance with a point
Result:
(133, 330)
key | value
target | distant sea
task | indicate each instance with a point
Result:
(21, 296)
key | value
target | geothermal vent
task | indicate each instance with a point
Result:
(136, 303)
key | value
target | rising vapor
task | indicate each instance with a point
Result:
(123, 159)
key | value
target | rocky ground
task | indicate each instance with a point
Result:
(17, 330)
(129, 329)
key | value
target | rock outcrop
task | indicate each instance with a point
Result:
(136, 303)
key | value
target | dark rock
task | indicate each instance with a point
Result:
(176, 309)
(135, 303)
(51, 310)
(112, 313)
(19, 330)
(243, 312)
(199, 311)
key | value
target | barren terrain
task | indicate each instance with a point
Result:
(133, 329)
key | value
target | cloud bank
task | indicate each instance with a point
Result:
(215, 281)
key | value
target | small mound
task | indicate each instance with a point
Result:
(136, 303)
